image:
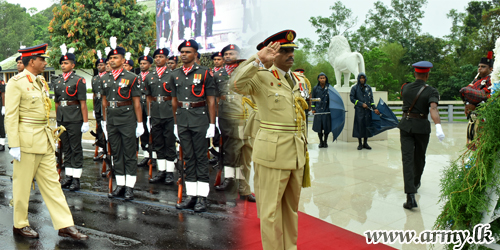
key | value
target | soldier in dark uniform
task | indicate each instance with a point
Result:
(121, 101)
(145, 64)
(419, 100)
(20, 65)
(322, 122)
(198, 15)
(2, 98)
(172, 62)
(193, 104)
(209, 13)
(70, 97)
(129, 63)
(362, 98)
(161, 117)
(218, 60)
(100, 64)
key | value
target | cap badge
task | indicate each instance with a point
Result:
(289, 36)
(188, 43)
(231, 47)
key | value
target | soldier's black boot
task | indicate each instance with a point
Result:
(201, 205)
(75, 185)
(360, 145)
(321, 143)
(66, 183)
(118, 192)
(129, 193)
(159, 177)
(143, 162)
(188, 203)
(325, 145)
(250, 197)
(410, 201)
(169, 178)
(365, 145)
(227, 184)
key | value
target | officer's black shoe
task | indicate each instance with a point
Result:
(153, 162)
(119, 191)
(366, 146)
(250, 197)
(227, 184)
(159, 177)
(169, 179)
(2, 148)
(143, 163)
(75, 185)
(99, 156)
(410, 201)
(188, 203)
(67, 182)
(321, 145)
(201, 205)
(129, 193)
(360, 147)
(325, 145)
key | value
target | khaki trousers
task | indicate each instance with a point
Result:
(278, 203)
(245, 164)
(43, 168)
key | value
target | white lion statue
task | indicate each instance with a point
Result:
(344, 61)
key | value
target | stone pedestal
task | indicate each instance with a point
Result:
(346, 134)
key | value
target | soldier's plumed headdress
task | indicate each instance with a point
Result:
(67, 54)
(146, 56)
(128, 60)
(162, 48)
(488, 60)
(115, 50)
(189, 43)
(99, 58)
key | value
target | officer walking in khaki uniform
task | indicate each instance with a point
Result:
(32, 145)
(161, 116)
(419, 100)
(280, 146)
(193, 104)
(121, 101)
(70, 97)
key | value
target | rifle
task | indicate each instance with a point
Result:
(221, 163)
(180, 181)
(110, 173)
(150, 146)
(59, 156)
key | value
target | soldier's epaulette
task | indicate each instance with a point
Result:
(42, 78)
(18, 76)
(297, 74)
(276, 74)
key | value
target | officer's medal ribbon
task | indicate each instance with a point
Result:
(196, 79)
(124, 83)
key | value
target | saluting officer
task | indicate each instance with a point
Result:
(100, 64)
(32, 146)
(172, 62)
(419, 100)
(144, 64)
(121, 99)
(70, 97)
(2, 98)
(158, 91)
(280, 146)
(193, 104)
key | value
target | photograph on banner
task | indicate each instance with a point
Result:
(212, 23)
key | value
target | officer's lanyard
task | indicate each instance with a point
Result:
(129, 91)
(165, 87)
(202, 88)
(76, 89)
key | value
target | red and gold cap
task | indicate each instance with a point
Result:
(38, 50)
(285, 38)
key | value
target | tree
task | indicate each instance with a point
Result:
(376, 61)
(338, 23)
(15, 29)
(87, 25)
(40, 23)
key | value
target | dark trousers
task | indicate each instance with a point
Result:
(2, 127)
(100, 133)
(145, 136)
(231, 143)
(163, 138)
(413, 147)
(210, 22)
(166, 24)
(123, 148)
(194, 149)
(71, 141)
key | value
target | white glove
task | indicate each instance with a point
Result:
(85, 127)
(217, 123)
(439, 132)
(148, 123)
(16, 153)
(139, 130)
(176, 132)
(211, 131)
(104, 129)
(93, 113)
(3, 110)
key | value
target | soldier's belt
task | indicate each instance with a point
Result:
(187, 105)
(115, 104)
(143, 97)
(161, 99)
(279, 127)
(97, 95)
(33, 121)
(68, 103)
(414, 115)
(228, 98)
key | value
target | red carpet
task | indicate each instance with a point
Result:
(313, 233)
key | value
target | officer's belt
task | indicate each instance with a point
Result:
(414, 115)
(97, 95)
(68, 103)
(187, 105)
(227, 97)
(237, 117)
(161, 99)
(33, 121)
(115, 104)
(279, 127)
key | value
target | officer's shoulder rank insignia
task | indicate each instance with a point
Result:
(18, 76)
(29, 78)
(275, 73)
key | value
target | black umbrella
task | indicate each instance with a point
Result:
(385, 121)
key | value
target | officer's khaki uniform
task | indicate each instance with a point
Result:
(279, 151)
(26, 123)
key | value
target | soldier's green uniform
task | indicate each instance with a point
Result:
(415, 132)
(96, 89)
(68, 92)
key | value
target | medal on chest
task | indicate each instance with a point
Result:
(196, 79)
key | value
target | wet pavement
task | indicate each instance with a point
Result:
(150, 221)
